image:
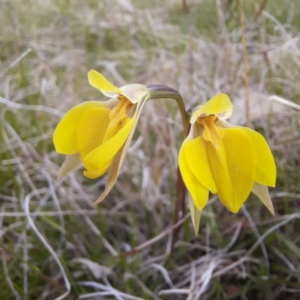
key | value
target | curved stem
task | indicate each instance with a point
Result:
(161, 92)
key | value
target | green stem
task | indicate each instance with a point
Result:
(162, 92)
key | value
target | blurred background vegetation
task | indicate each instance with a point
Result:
(194, 46)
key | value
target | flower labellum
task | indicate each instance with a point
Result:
(97, 134)
(220, 158)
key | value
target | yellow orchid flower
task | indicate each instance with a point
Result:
(220, 158)
(97, 134)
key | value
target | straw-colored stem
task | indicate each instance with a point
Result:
(245, 63)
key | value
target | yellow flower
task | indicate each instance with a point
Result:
(218, 157)
(97, 134)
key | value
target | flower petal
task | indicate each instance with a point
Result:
(265, 172)
(219, 105)
(233, 168)
(133, 92)
(97, 172)
(98, 81)
(106, 151)
(91, 130)
(198, 192)
(120, 156)
(65, 134)
(197, 159)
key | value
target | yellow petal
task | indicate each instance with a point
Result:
(198, 192)
(133, 92)
(241, 164)
(91, 130)
(211, 132)
(65, 134)
(120, 156)
(195, 215)
(97, 172)
(71, 163)
(218, 165)
(265, 172)
(261, 191)
(108, 149)
(196, 156)
(219, 105)
(98, 81)
(233, 168)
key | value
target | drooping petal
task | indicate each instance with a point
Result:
(198, 192)
(91, 130)
(261, 191)
(265, 171)
(196, 156)
(233, 168)
(65, 134)
(72, 162)
(195, 215)
(219, 105)
(120, 156)
(218, 165)
(106, 151)
(241, 164)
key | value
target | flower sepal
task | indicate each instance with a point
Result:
(71, 163)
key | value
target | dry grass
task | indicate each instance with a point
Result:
(54, 243)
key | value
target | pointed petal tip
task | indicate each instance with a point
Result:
(262, 192)
(270, 208)
(71, 163)
(59, 176)
(234, 210)
(99, 200)
(196, 230)
(272, 211)
(195, 215)
(269, 205)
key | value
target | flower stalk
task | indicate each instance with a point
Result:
(161, 91)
